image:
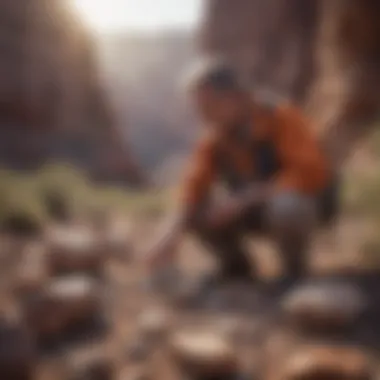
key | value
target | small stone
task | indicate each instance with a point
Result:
(73, 250)
(324, 306)
(328, 362)
(135, 374)
(154, 324)
(91, 367)
(137, 351)
(32, 271)
(203, 355)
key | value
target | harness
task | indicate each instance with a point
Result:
(267, 164)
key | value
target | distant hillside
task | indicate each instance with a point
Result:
(143, 73)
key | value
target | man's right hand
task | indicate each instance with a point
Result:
(162, 253)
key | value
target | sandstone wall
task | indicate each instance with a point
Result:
(52, 103)
(322, 54)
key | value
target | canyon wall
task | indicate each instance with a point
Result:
(321, 54)
(52, 101)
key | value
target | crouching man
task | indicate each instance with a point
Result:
(272, 166)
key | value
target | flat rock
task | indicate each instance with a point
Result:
(154, 324)
(203, 354)
(137, 373)
(89, 366)
(328, 362)
(32, 272)
(63, 303)
(17, 352)
(324, 305)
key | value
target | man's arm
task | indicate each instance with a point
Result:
(305, 167)
(194, 190)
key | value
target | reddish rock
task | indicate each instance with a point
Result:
(63, 303)
(328, 362)
(321, 54)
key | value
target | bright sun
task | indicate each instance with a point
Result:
(140, 14)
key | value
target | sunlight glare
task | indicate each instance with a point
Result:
(138, 14)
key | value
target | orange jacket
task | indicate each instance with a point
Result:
(304, 166)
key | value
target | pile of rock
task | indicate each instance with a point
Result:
(59, 286)
(319, 313)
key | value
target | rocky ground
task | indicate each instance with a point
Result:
(76, 304)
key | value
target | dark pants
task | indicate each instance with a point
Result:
(288, 219)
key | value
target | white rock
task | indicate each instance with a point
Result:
(201, 354)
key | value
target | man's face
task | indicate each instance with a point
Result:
(220, 108)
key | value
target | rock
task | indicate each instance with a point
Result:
(328, 362)
(324, 306)
(75, 250)
(166, 281)
(203, 355)
(63, 303)
(138, 351)
(154, 324)
(89, 366)
(117, 239)
(17, 352)
(137, 373)
(32, 271)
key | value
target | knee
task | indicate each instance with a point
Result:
(291, 213)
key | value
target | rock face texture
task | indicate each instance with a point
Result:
(145, 71)
(52, 104)
(321, 54)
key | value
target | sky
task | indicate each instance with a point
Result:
(146, 15)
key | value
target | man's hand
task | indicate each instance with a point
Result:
(163, 252)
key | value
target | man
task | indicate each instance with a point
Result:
(267, 158)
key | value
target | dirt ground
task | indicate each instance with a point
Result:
(248, 316)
